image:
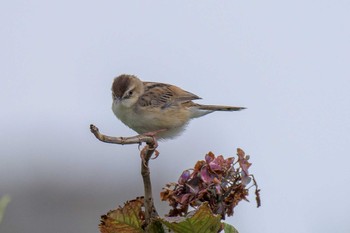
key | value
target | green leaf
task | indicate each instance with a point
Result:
(203, 221)
(4, 201)
(155, 227)
(127, 219)
(229, 228)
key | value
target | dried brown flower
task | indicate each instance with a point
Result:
(214, 180)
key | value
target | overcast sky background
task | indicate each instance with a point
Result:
(287, 61)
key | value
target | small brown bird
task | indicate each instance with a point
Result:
(148, 106)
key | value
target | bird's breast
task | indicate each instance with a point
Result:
(147, 119)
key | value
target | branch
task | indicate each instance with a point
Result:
(146, 154)
(150, 210)
(138, 139)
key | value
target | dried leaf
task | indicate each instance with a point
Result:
(126, 219)
(209, 157)
(185, 199)
(214, 180)
(206, 176)
(243, 161)
(198, 166)
(246, 179)
(184, 176)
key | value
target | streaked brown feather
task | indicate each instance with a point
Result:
(164, 95)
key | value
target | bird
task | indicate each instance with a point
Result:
(148, 107)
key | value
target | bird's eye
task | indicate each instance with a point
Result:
(130, 93)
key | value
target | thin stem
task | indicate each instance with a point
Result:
(150, 210)
(146, 154)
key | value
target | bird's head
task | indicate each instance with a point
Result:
(126, 89)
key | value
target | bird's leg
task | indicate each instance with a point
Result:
(152, 146)
(153, 135)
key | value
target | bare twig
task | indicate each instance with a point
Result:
(150, 210)
(146, 154)
(122, 140)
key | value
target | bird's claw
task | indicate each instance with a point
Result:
(154, 144)
(156, 154)
(143, 154)
(150, 146)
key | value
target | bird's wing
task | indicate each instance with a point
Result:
(164, 95)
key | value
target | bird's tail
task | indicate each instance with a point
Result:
(219, 108)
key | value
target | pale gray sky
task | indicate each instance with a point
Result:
(287, 61)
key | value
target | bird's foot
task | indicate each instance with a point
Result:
(151, 146)
(144, 152)
(153, 134)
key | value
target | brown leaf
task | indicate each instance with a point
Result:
(209, 157)
(243, 161)
(126, 219)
